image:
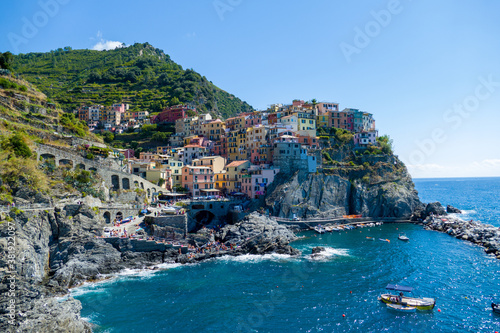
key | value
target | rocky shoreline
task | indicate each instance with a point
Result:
(484, 235)
(59, 250)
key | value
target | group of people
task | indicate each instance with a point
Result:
(214, 247)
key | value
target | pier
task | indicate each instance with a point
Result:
(309, 223)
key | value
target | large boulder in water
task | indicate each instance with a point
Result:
(258, 234)
(451, 209)
(435, 208)
(318, 249)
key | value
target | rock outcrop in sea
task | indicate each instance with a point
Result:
(379, 187)
(259, 234)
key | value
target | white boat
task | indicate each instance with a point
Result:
(402, 308)
(319, 229)
(423, 303)
(403, 237)
(169, 210)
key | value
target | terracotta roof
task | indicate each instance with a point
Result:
(194, 146)
(236, 163)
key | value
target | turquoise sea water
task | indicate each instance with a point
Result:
(336, 292)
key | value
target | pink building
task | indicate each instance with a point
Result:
(324, 107)
(199, 180)
(254, 183)
(253, 120)
(342, 119)
(365, 139)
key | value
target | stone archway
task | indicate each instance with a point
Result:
(93, 169)
(80, 166)
(48, 157)
(107, 217)
(125, 184)
(149, 193)
(65, 163)
(142, 186)
(115, 182)
(136, 184)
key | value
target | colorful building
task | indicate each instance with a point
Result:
(365, 139)
(198, 180)
(234, 171)
(171, 114)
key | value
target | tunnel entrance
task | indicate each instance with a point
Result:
(203, 218)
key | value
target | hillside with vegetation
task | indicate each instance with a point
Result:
(141, 75)
(27, 118)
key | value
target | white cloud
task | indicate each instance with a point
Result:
(107, 45)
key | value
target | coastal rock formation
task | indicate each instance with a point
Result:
(258, 234)
(50, 315)
(317, 249)
(450, 209)
(434, 208)
(59, 248)
(381, 189)
(484, 235)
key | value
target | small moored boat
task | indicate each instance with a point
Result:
(423, 303)
(319, 229)
(403, 237)
(495, 307)
(401, 308)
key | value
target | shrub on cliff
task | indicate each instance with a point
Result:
(16, 144)
(385, 143)
(19, 172)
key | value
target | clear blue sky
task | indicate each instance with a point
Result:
(427, 70)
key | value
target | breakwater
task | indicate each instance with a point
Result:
(484, 235)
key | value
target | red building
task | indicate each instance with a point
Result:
(272, 118)
(171, 114)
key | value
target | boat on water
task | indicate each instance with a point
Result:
(401, 308)
(403, 237)
(370, 238)
(495, 307)
(423, 303)
(319, 229)
(385, 240)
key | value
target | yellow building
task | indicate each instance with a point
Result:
(323, 120)
(241, 141)
(220, 180)
(213, 130)
(234, 172)
(232, 146)
(306, 123)
(175, 168)
(216, 163)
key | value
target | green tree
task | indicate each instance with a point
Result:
(108, 137)
(386, 144)
(159, 136)
(6, 59)
(18, 145)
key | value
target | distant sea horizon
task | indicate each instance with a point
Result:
(445, 178)
(476, 197)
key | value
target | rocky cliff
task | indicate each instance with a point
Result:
(376, 186)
